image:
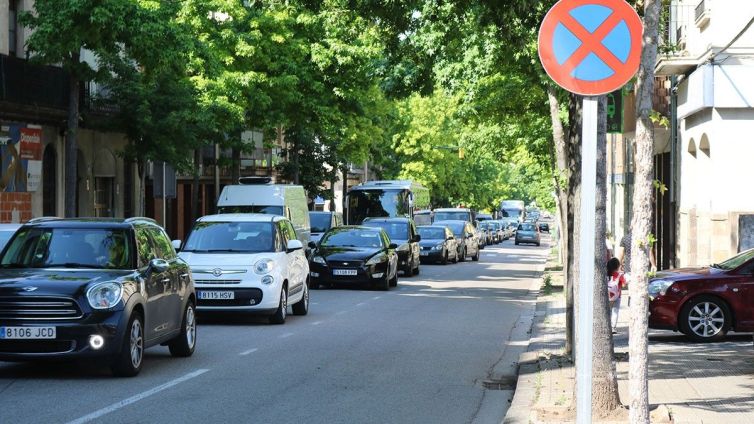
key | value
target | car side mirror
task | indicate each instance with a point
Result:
(158, 265)
(417, 238)
(392, 246)
(176, 244)
(294, 245)
(312, 245)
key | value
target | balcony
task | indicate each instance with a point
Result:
(702, 14)
(31, 91)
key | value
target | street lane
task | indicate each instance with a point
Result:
(418, 353)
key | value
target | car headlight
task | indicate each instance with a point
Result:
(438, 247)
(375, 260)
(104, 295)
(319, 260)
(264, 266)
(404, 248)
(659, 287)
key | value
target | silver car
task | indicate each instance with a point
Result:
(527, 232)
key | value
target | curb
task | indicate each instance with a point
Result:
(528, 368)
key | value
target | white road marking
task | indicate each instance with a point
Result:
(133, 399)
(360, 304)
(248, 352)
(317, 323)
(377, 298)
(284, 336)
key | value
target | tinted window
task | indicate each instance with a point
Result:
(430, 233)
(320, 222)
(736, 261)
(527, 227)
(394, 230)
(69, 247)
(377, 203)
(231, 237)
(456, 228)
(352, 238)
(145, 246)
(452, 216)
(268, 210)
(162, 247)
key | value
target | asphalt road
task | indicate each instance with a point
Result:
(420, 353)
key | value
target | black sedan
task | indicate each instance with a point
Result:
(353, 254)
(438, 244)
(94, 288)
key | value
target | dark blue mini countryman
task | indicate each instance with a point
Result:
(73, 288)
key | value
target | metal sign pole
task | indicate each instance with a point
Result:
(586, 262)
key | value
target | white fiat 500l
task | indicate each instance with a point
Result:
(247, 263)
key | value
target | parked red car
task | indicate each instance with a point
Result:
(705, 303)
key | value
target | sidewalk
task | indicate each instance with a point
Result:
(696, 383)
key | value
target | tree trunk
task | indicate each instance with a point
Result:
(605, 396)
(71, 144)
(141, 168)
(195, 185)
(235, 168)
(344, 170)
(641, 222)
(560, 175)
(573, 204)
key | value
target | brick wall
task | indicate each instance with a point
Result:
(20, 202)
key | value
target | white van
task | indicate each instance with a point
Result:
(258, 195)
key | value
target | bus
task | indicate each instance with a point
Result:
(389, 198)
(513, 209)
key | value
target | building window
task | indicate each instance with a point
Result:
(103, 196)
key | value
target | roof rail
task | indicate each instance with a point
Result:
(141, 219)
(42, 219)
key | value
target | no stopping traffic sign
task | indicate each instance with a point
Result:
(590, 47)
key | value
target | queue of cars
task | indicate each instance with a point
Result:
(108, 289)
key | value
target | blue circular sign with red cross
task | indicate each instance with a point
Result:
(591, 47)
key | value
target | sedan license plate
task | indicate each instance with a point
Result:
(28, 333)
(216, 295)
(425, 253)
(344, 272)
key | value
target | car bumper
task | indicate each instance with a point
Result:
(71, 338)
(431, 255)
(249, 295)
(663, 313)
(364, 274)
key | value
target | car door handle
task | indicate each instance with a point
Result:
(165, 280)
(184, 276)
(735, 289)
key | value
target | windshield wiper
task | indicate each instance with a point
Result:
(223, 250)
(73, 265)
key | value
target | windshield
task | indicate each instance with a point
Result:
(456, 227)
(736, 261)
(449, 216)
(243, 237)
(394, 230)
(69, 248)
(431, 233)
(513, 213)
(320, 222)
(422, 219)
(352, 238)
(267, 210)
(377, 204)
(526, 227)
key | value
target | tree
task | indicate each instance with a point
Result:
(605, 398)
(641, 222)
(60, 32)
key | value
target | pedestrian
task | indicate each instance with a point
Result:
(615, 284)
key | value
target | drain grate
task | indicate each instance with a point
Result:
(503, 383)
